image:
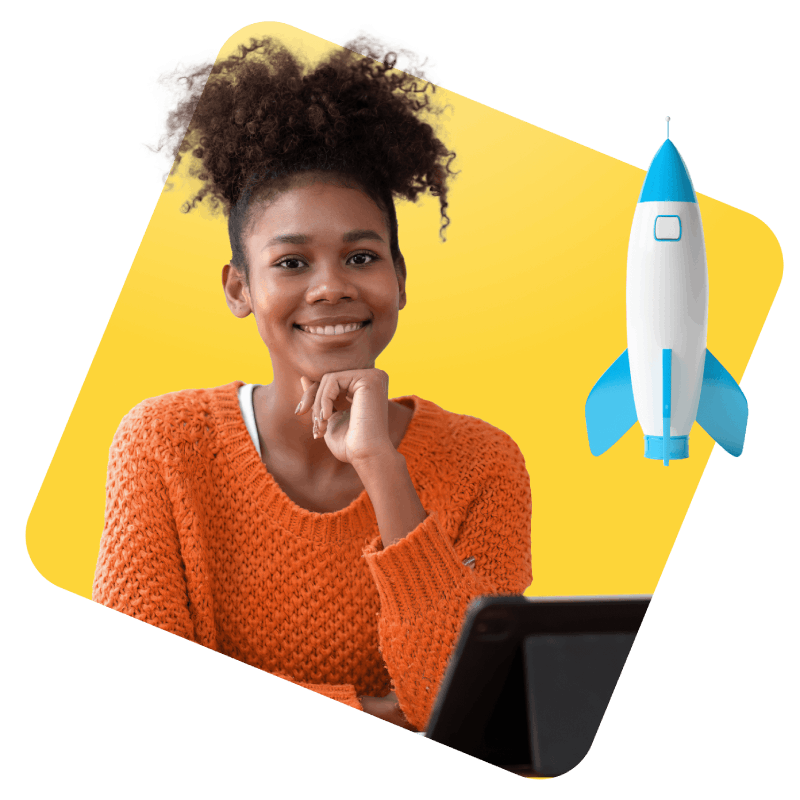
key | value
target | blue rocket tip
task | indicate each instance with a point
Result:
(668, 178)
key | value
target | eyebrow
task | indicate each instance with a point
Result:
(300, 238)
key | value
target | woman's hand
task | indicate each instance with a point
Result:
(386, 708)
(351, 411)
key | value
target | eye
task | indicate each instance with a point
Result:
(291, 263)
(354, 255)
(370, 255)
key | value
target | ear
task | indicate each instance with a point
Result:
(400, 271)
(237, 292)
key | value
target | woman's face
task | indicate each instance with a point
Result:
(323, 287)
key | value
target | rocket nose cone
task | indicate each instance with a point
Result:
(667, 178)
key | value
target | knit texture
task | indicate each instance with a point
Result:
(200, 540)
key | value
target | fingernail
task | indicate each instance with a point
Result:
(299, 406)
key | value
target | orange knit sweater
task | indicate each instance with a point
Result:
(200, 540)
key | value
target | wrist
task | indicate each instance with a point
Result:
(373, 467)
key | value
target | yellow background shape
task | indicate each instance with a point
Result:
(513, 320)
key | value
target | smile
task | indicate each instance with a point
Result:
(333, 330)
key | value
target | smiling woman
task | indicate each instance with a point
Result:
(313, 527)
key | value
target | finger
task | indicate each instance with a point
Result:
(399, 719)
(395, 714)
(332, 386)
(316, 410)
(307, 400)
(319, 403)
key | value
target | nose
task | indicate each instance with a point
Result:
(331, 282)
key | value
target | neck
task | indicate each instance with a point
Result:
(283, 433)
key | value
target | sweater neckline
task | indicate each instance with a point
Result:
(354, 521)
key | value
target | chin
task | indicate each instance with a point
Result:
(316, 370)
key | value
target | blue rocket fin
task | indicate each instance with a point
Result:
(722, 412)
(610, 410)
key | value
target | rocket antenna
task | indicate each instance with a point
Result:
(667, 127)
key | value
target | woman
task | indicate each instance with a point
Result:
(313, 527)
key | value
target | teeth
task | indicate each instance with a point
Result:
(331, 330)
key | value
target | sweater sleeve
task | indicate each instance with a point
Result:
(425, 585)
(140, 568)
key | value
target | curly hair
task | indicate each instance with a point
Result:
(261, 116)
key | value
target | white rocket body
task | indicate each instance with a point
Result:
(667, 307)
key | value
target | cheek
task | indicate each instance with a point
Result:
(386, 293)
(261, 296)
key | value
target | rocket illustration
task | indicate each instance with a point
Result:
(666, 378)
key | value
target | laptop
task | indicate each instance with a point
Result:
(530, 679)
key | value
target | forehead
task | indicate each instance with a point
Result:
(316, 207)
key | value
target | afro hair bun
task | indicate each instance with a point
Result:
(263, 113)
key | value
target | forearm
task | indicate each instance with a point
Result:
(397, 506)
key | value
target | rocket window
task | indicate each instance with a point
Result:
(668, 228)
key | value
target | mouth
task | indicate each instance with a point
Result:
(336, 336)
(333, 331)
